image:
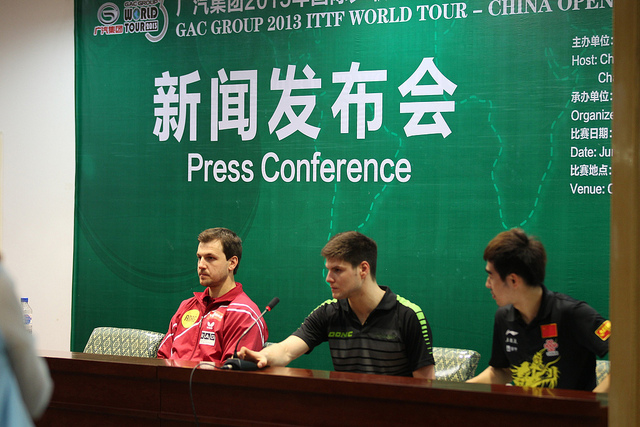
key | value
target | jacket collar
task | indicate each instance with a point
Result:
(206, 300)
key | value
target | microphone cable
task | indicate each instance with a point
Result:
(227, 364)
(193, 405)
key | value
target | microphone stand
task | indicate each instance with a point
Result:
(235, 363)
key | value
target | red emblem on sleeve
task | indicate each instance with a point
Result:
(604, 331)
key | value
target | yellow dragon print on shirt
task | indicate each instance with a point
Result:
(536, 373)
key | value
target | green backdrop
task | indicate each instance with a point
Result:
(469, 119)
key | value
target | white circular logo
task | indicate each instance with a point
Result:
(108, 13)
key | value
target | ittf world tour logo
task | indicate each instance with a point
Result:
(140, 16)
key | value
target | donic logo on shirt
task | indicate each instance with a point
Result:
(338, 334)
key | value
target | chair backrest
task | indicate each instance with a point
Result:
(602, 369)
(124, 342)
(455, 364)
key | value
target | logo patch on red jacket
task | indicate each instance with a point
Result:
(208, 338)
(189, 318)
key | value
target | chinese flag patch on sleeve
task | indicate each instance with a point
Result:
(604, 331)
(549, 331)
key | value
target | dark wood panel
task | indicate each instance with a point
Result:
(288, 396)
(102, 391)
(113, 389)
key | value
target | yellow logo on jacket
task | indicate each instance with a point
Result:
(189, 318)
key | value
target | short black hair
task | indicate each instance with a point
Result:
(513, 251)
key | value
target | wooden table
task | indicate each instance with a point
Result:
(101, 390)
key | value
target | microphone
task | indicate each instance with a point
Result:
(237, 364)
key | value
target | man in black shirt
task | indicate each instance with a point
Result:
(369, 328)
(540, 338)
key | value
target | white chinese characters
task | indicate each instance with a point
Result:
(234, 102)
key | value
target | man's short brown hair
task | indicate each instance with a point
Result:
(352, 247)
(231, 243)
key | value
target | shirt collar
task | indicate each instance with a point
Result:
(388, 299)
(206, 300)
(513, 314)
(545, 305)
(386, 303)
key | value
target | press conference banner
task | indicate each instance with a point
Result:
(429, 126)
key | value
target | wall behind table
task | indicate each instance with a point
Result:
(38, 160)
(499, 137)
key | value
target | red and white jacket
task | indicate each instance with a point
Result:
(204, 328)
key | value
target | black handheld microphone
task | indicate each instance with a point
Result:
(236, 364)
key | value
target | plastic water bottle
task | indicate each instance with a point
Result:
(27, 313)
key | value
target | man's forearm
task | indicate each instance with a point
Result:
(493, 375)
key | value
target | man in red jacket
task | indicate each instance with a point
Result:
(208, 325)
